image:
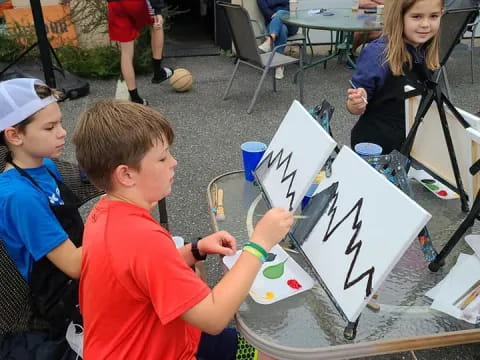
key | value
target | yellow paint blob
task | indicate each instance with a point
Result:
(269, 295)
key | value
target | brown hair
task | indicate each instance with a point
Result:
(396, 53)
(43, 92)
(117, 132)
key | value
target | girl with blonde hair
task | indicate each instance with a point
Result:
(406, 54)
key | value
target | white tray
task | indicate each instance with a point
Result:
(268, 291)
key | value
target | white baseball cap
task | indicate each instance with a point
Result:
(19, 100)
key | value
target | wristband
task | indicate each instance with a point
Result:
(195, 252)
(259, 248)
(255, 253)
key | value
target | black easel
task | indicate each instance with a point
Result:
(461, 230)
(453, 26)
(43, 45)
(70, 85)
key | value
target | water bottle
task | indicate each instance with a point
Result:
(355, 5)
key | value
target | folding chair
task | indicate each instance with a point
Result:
(472, 28)
(246, 50)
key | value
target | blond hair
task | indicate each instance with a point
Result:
(396, 53)
(116, 132)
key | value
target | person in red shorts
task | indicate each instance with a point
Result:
(139, 297)
(125, 20)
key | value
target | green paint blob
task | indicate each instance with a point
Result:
(432, 187)
(275, 271)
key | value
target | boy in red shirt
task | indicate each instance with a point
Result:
(138, 296)
(125, 20)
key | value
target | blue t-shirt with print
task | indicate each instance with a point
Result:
(28, 227)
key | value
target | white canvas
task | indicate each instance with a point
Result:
(293, 158)
(385, 222)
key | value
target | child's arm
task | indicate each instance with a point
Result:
(221, 243)
(213, 313)
(67, 258)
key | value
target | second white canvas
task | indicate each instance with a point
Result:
(366, 227)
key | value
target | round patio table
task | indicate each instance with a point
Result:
(344, 21)
(308, 325)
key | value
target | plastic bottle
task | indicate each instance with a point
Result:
(355, 5)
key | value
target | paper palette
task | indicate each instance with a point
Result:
(274, 281)
(435, 186)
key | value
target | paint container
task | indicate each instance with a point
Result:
(252, 152)
(368, 149)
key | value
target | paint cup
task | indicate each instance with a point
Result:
(368, 149)
(252, 152)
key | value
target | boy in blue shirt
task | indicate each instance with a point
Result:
(40, 227)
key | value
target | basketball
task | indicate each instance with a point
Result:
(181, 80)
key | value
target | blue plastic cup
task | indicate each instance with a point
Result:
(252, 152)
(368, 149)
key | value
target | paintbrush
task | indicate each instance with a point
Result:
(214, 198)
(472, 296)
(470, 290)
(294, 216)
(354, 87)
(220, 210)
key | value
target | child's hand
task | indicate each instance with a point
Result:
(158, 21)
(272, 228)
(357, 102)
(221, 243)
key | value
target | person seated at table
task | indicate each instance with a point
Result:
(138, 296)
(406, 54)
(40, 226)
(360, 37)
(272, 10)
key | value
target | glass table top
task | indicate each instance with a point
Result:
(308, 324)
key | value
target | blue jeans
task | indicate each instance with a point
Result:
(281, 30)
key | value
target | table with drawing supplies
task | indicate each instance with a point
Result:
(292, 313)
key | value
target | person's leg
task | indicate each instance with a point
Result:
(128, 71)
(274, 29)
(126, 63)
(281, 39)
(124, 26)
(157, 42)
(160, 73)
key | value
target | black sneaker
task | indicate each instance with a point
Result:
(140, 101)
(166, 74)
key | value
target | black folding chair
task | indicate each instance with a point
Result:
(246, 50)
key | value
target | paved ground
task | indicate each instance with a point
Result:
(209, 132)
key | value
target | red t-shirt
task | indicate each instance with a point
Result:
(134, 287)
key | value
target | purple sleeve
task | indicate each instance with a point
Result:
(372, 70)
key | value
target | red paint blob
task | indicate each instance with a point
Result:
(442, 193)
(294, 284)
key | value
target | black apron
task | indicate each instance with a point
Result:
(54, 294)
(383, 122)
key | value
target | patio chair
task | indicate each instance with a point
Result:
(472, 28)
(16, 314)
(246, 50)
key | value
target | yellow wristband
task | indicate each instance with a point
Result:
(255, 253)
